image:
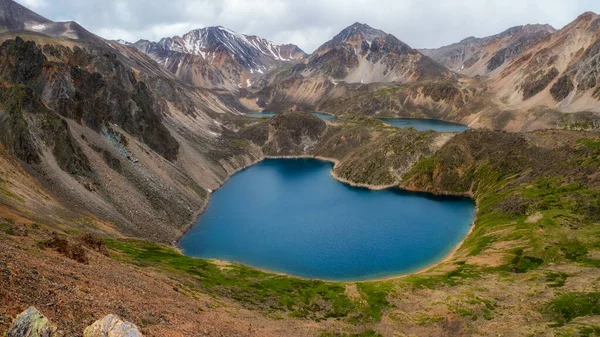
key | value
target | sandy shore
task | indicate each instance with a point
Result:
(335, 162)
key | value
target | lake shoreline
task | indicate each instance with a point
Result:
(372, 187)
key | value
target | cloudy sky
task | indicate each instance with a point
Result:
(309, 23)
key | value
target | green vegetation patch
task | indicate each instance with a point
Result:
(591, 149)
(589, 330)
(522, 263)
(556, 279)
(375, 293)
(569, 306)
(312, 299)
(474, 307)
(454, 277)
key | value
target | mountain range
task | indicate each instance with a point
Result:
(217, 57)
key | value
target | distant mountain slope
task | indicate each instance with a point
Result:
(480, 56)
(559, 72)
(360, 59)
(13, 16)
(219, 57)
(362, 54)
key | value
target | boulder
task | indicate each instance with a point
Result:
(31, 323)
(112, 326)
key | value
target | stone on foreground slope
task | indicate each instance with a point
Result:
(32, 323)
(112, 326)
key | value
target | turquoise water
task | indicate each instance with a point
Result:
(426, 124)
(291, 216)
(324, 116)
(261, 115)
(270, 114)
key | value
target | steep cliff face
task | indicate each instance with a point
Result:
(216, 57)
(70, 114)
(87, 86)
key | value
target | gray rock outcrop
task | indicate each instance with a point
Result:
(31, 323)
(112, 326)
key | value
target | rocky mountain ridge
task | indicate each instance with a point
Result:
(362, 54)
(219, 57)
(480, 56)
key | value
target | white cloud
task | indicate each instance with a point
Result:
(309, 23)
(33, 4)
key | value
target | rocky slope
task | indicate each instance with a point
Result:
(106, 134)
(13, 16)
(361, 54)
(558, 72)
(216, 57)
(534, 72)
(481, 56)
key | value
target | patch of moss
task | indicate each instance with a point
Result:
(589, 331)
(522, 263)
(573, 249)
(375, 293)
(569, 306)
(423, 319)
(454, 277)
(556, 279)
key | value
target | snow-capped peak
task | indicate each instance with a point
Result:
(123, 42)
(252, 52)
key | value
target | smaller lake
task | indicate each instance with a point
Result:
(271, 114)
(261, 115)
(423, 124)
(324, 116)
(291, 216)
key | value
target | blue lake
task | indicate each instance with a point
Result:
(271, 114)
(261, 115)
(291, 216)
(324, 116)
(422, 124)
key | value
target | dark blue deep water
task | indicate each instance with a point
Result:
(426, 124)
(291, 216)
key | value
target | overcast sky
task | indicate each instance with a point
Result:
(309, 23)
